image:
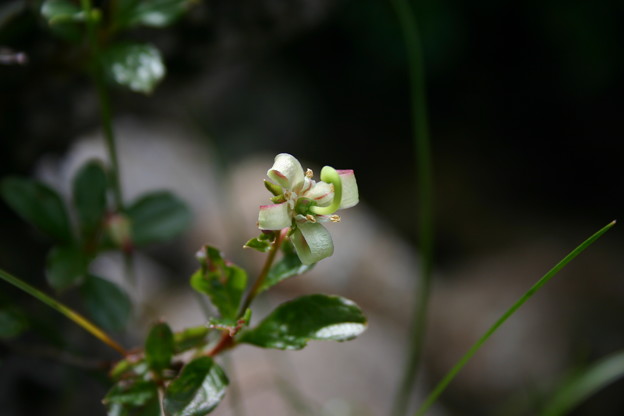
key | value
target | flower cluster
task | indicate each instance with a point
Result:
(303, 204)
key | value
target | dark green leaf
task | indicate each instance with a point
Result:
(129, 368)
(12, 322)
(38, 204)
(132, 392)
(257, 244)
(223, 283)
(108, 305)
(288, 266)
(64, 18)
(157, 217)
(189, 338)
(159, 347)
(89, 189)
(313, 317)
(197, 391)
(153, 13)
(66, 266)
(138, 67)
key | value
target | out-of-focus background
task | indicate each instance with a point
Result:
(525, 112)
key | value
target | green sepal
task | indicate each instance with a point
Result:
(275, 189)
(159, 347)
(313, 317)
(39, 205)
(288, 266)
(223, 283)
(198, 389)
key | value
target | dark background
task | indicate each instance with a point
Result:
(524, 103)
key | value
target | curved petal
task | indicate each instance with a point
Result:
(322, 193)
(274, 217)
(312, 242)
(350, 194)
(287, 171)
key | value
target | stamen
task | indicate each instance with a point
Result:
(334, 218)
(309, 174)
(311, 218)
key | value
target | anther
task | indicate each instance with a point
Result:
(309, 174)
(311, 218)
(334, 218)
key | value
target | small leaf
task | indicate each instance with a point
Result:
(257, 244)
(109, 306)
(189, 338)
(233, 326)
(223, 283)
(197, 391)
(313, 317)
(132, 392)
(64, 18)
(66, 266)
(12, 322)
(138, 67)
(288, 266)
(152, 13)
(89, 191)
(157, 217)
(159, 347)
(38, 204)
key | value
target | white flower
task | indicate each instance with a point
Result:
(303, 204)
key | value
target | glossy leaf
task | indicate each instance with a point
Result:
(313, 317)
(152, 13)
(138, 67)
(198, 389)
(38, 204)
(157, 217)
(133, 398)
(66, 266)
(159, 347)
(12, 322)
(223, 283)
(89, 192)
(288, 266)
(107, 303)
(189, 338)
(64, 18)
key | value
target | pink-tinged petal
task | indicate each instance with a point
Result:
(287, 172)
(350, 194)
(312, 242)
(274, 217)
(322, 193)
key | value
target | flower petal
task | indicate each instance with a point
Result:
(287, 171)
(312, 242)
(322, 193)
(274, 217)
(350, 194)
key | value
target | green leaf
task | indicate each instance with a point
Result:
(584, 384)
(233, 326)
(159, 347)
(223, 283)
(197, 391)
(38, 204)
(157, 217)
(133, 398)
(89, 191)
(258, 244)
(136, 66)
(189, 338)
(290, 265)
(152, 13)
(313, 317)
(12, 322)
(109, 306)
(66, 266)
(64, 18)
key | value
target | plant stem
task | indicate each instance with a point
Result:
(227, 340)
(69, 313)
(477, 345)
(422, 150)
